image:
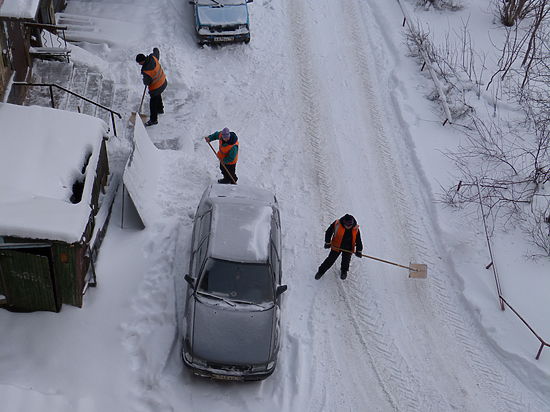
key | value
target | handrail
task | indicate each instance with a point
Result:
(428, 62)
(543, 343)
(501, 299)
(51, 85)
(45, 26)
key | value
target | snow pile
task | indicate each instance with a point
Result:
(19, 9)
(142, 172)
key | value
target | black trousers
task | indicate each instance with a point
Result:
(155, 106)
(232, 172)
(331, 258)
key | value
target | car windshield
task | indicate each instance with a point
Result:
(239, 282)
(220, 2)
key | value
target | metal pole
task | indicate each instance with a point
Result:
(122, 217)
(51, 97)
(540, 350)
(113, 121)
(490, 250)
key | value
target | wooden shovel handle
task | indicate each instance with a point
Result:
(142, 97)
(224, 166)
(381, 260)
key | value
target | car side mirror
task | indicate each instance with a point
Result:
(281, 289)
(191, 1)
(249, 1)
(190, 280)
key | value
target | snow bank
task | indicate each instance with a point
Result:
(19, 9)
(142, 172)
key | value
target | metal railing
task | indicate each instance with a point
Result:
(501, 299)
(427, 62)
(503, 303)
(52, 85)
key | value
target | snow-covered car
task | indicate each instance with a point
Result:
(233, 300)
(221, 21)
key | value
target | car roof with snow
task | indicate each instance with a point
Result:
(241, 223)
(42, 154)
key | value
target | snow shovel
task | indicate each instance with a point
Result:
(132, 119)
(224, 166)
(416, 270)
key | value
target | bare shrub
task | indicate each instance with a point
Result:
(455, 61)
(511, 11)
(525, 49)
(441, 4)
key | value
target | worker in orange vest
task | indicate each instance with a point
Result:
(342, 234)
(228, 153)
(155, 79)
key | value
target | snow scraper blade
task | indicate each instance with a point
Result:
(418, 271)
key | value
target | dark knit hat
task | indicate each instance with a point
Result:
(226, 133)
(347, 219)
(140, 58)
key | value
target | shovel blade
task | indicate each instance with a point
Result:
(132, 119)
(418, 271)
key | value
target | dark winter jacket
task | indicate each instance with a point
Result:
(233, 153)
(347, 237)
(150, 64)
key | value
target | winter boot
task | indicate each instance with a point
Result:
(223, 181)
(318, 275)
(343, 274)
(150, 123)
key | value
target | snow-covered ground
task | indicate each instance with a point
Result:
(331, 116)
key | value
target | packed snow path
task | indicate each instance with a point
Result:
(313, 99)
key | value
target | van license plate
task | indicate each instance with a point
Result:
(224, 38)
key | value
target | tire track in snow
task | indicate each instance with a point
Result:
(311, 117)
(499, 389)
(389, 372)
(150, 336)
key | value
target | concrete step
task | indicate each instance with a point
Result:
(78, 86)
(83, 81)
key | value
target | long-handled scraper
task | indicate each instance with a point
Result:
(133, 115)
(224, 166)
(416, 270)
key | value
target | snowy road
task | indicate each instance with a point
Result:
(314, 100)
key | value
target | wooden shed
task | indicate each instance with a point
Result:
(57, 195)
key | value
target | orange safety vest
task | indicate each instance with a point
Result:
(224, 150)
(339, 230)
(157, 74)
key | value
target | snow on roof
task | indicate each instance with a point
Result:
(19, 9)
(241, 223)
(142, 172)
(254, 194)
(42, 153)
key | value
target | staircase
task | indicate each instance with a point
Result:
(91, 84)
(83, 81)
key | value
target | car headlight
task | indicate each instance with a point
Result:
(270, 365)
(243, 27)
